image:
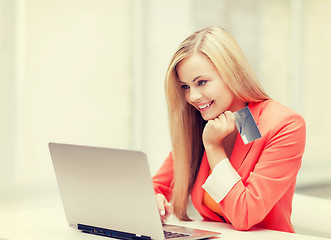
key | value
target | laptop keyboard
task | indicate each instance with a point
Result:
(169, 235)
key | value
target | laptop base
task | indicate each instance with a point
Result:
(110, 233)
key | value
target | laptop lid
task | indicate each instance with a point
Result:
(106, 188)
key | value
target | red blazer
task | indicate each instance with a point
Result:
(268, 168)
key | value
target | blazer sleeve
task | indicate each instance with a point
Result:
(162, 180)
(250, 200)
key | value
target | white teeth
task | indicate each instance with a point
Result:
(204, 106)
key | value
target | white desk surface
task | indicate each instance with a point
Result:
(45, 219)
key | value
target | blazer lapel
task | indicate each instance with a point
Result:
(240, 150)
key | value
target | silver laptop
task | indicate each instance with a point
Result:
(109, 192)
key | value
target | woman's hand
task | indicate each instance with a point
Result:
(213, 135)
(216, 130)
(165, 208)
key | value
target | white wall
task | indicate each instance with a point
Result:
(70, 81)
(7, 92)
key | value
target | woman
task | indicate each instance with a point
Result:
(247, 185)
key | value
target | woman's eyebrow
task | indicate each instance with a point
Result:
(196, 78)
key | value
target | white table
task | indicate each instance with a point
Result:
(43, 218)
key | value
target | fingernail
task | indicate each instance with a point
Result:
(162, 212)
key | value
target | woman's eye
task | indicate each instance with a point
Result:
(202, 82)
(185, 87)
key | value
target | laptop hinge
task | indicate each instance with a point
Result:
(111, 233)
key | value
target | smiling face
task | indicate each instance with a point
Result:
(204, 88)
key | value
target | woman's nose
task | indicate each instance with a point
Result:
(195, 95)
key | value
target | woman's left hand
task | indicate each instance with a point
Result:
(216, 130)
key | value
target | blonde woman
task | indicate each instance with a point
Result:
(246, 185)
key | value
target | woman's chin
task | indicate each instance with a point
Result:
(208, 117)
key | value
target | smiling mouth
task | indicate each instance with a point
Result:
(205, 106)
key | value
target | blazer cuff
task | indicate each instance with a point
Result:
(221, 180)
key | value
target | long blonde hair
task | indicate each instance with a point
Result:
(186, 123)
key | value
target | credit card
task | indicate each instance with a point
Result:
(246, 125)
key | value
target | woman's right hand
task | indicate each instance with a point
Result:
(165, 208)
(216, 130)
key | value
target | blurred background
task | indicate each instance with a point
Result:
(92, 72)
